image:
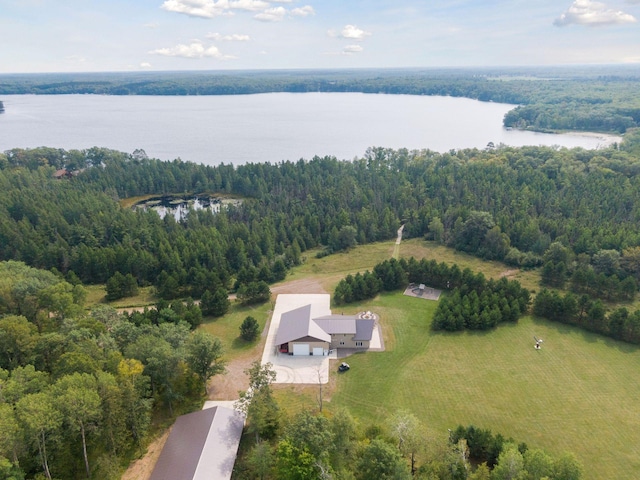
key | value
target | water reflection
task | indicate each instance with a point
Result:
(179, 207)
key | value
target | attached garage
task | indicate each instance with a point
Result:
(299, 336)
(301, 349)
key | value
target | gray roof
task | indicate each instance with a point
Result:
(297, 324)
(332, 324)
(364, 329)
(202, 445)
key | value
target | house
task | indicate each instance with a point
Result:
(301, 333)
(62, 173)
(202, 445)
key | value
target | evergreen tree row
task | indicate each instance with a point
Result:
(474, 303)
(583, 311)
(483, 307)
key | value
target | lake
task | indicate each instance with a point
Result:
(269, 127)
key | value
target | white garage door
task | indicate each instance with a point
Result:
(301, 349)
(318, 351)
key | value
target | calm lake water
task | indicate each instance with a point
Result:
(263, 128)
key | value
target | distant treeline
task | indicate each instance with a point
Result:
(570, 98)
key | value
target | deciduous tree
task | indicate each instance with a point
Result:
(204, 356)
(40, 417)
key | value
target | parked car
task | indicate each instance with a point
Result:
(343, 367)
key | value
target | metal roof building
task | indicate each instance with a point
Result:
(201, 446)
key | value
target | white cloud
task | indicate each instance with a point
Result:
(213, 8)
(150, 25)
(145, 65)
(275, 14)
(249, 5)
(303, 11)
(592, 14)
(350, 32)
(195, 49)
(351, 49)
(216, 8)
(197, 8)
(234, 37)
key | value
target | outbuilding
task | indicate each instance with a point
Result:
(201, 446)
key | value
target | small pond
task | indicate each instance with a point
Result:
(179, 206)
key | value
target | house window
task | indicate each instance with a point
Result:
(358, 344)
(341, 343)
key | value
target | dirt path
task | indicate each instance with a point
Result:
(509, 273)
(396, 247)
(141, 469)
(227, 386)
(304, 285)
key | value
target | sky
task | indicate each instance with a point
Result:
(139, 35)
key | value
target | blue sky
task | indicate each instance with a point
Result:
(135, 35)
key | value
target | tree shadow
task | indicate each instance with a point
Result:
(240, 343)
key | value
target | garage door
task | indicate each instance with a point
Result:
(318, 351)
(301, 349)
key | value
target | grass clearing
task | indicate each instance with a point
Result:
(578, 393)
(227, 329)
(329, 270)
(418, 248)
(96, 295)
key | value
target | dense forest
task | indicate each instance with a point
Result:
(571, 213)
(574, 212)
(79, 390)
(550, 98)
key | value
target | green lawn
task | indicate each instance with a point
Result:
(227, 329)
(579, 393)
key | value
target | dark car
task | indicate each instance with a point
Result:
(343, 367)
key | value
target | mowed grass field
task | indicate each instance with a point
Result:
(579, 393)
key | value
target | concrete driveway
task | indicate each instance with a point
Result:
(297, 369)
